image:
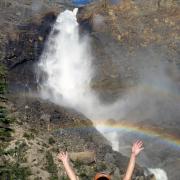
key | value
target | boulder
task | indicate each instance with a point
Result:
(86, 157)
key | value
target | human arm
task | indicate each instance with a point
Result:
(136, 149)
(63, 156)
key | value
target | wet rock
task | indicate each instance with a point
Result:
(151, 177)
(109, 158)
(116, 174)
(86, 157)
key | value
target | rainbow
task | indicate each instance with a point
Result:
(147, 131)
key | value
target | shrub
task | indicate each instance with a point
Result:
(28, 136)
(51, 140)
(51, 166)
(14, 171)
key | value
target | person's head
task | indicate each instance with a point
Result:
(102, 176)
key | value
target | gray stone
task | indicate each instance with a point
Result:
(109, 158)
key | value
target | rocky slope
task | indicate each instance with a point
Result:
(41, 130)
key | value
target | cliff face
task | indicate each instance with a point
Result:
(123, 31)
(42, 128)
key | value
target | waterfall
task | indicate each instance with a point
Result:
(66, 62)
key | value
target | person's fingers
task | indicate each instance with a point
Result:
(137, 145)
(141, 149)
(134, 145)
(136, 142)
(140, 144)
(139, 141)
(61, 155)
(61, 152)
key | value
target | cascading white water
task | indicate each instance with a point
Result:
(159, 173)
(66, 64)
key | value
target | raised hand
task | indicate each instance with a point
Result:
(63, 156)
(137, 147)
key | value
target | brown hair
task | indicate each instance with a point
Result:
(102, 176)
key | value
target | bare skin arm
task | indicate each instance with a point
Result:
(136, 149)
(65, 160)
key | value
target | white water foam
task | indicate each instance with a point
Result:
(160, 174)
